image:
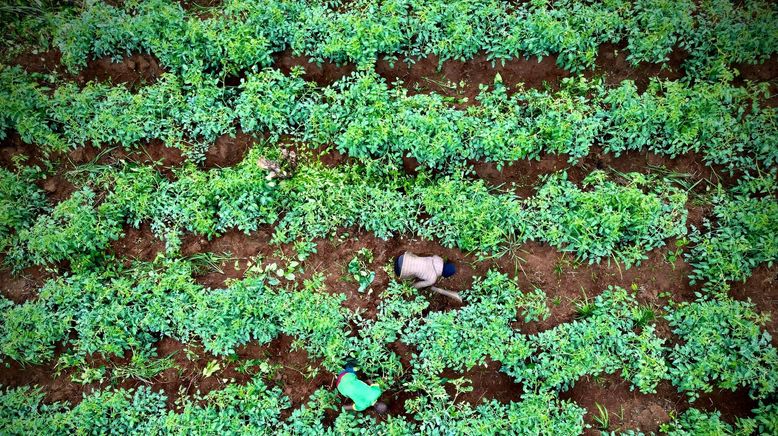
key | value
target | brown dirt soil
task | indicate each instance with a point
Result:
(633, 410)
(524, 176)
(45, 62)
(55, 389)
(488, 383)
(24, 285)
(764, 72)
(613, 65)
(57, 187)
(762, 289)
(132, 71)
(12, 147)
(228, 151)
(294, 372)
(138, 244)
(462, 79)
(323, 75)
(153, 152)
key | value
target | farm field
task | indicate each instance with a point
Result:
(201, 204)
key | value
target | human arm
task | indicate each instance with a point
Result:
(425, 281)
(349, 407)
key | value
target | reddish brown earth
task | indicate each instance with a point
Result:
(24, 285)
(131, 71)
(488, 383)
(154, 153)
(612, 64)
(296, 374)
(634, 410)
(12, 147)
(324, 74)
(228, 150)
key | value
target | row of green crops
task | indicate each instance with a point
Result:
(257, 409)
(720, 342)
(642, 213)
(243, 33)
(365, 119)
(601, 219)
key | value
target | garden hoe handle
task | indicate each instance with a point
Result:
(449, 294)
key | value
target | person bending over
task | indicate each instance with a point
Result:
(363, 395)
(425, 272)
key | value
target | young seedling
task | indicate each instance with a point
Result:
(602, 418)
(643, 315)
(211, 368)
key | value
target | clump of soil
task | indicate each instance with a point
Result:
(227, 151)
(488, 382)
(132, 71)
(324, 74)
(613, 65)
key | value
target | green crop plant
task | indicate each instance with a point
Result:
(400, 304)
(727, 34)
(464, 338)
(236, 408)
(657, 28)
(604, 342)
(21, 201)
(23, 107)
(722, 346)
(696, 422)
(319, 200)
(240, 34)
(271, 101)
(358, 269)
(609, 220)
(367, 120)
(29, 331)
(536, 413)
(143, 366)
(467, 215)
(740, 237)
(109, 312)
(673, 118)
(77, 230)
(531, 122)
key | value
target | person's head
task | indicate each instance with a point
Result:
(381, 407)
(449, 269)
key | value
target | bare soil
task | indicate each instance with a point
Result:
(627, 409)
(131, 71)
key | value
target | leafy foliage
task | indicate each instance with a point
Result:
(624, 222)
(607, 341)
(461, 339)
(723, 346)
(21, 201)
(77, 230)
(745, 235)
